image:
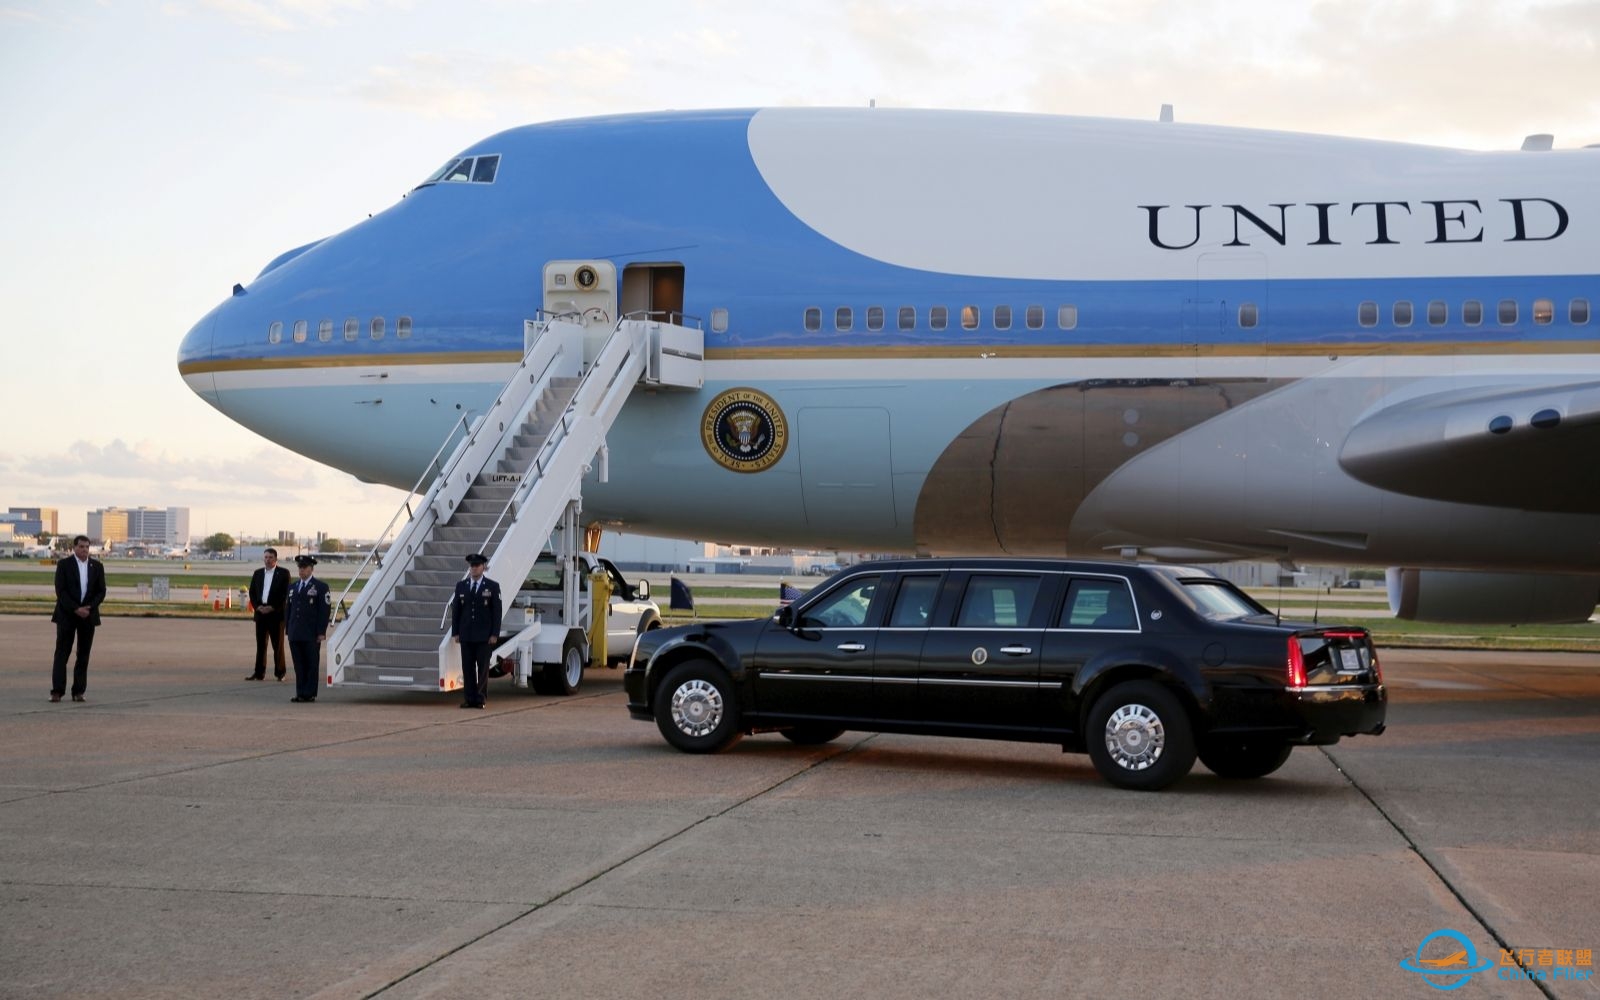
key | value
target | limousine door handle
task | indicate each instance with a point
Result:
(1016, 650)
(853, 647)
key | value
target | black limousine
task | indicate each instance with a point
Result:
(1143, 667)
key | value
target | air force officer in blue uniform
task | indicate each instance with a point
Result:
(309, 608)
(475, 623)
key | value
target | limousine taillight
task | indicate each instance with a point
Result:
(1332, 657)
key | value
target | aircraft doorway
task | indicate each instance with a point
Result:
(656, 289)
(1228, 314)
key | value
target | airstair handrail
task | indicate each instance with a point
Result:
(540, 353)
(405, 506)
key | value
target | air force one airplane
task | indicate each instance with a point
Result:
(956, 332)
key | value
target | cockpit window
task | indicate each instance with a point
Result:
(467, 170)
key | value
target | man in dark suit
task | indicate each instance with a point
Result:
(309, 607)
(269, 588)
(475, 623)
(80, 587)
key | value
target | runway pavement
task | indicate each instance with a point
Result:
(188, 834)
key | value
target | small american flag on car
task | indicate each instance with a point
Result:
(787, 593)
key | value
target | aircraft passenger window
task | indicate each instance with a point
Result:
(1544, 311)
(1506, 313)
(1035, 317)
(719, 321)
(938, 317)
(402, 328)
(842, 319)
(1438, 313)
(874, 317)
(1248, 315)
(1578, 312)
(275, 333)
(998, 602)
(1472, 312)
(299, 331)
(377, 328)
(907, 320)
(969, 317)
(914, 602)
(1067, 317)
(352, 328)
(484, 172)
(462, 171)
(1367, 314)
(1002, 317)
(813, 320)
(1402, 313)
(325, 330)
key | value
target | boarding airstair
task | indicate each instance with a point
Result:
(513, 476)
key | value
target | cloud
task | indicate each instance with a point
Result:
(474, 85)
(261, 489)
(286, 15)
(1472, 71)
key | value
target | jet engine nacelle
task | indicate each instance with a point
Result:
(1468, 597)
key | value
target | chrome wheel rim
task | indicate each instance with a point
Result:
(574, 667)
(1135, 737)
(696, 708)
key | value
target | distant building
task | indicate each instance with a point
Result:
(34, 520)
(108, 524)
(147, 525)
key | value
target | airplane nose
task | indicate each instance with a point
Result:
(194, 354)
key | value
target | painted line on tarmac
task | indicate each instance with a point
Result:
(247, 758)
(1482, 922)
(558, 897)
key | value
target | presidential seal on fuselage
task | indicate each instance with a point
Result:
(744, 430)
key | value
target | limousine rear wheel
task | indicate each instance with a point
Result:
(810, 736)
(1139, 736)
(1244, 758)
(696, 708)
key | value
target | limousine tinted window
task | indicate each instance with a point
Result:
(914, 602)
(1218, 601)
(998, 602)
(1102, 604)
(846, 607)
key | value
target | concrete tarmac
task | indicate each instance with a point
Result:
(188, 834)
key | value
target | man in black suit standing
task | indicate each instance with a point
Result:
(308, 610)
(475, 623)
(80, 587)
(269, 588)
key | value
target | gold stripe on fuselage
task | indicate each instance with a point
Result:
(907, 351)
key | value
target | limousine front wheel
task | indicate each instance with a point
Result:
(696, 708)
(1139, 736)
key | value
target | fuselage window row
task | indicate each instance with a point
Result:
(1001, 318)
(1438, 312)
(352, 330)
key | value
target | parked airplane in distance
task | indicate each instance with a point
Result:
(960, 332)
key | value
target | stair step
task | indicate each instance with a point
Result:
(382, 638)
(416, 605)
(399, 678)
(473, 519)
(397, 624)
(426, 593)
(405, 659)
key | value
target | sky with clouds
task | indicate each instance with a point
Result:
(161, 151)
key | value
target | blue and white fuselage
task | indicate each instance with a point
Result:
(991, 332)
